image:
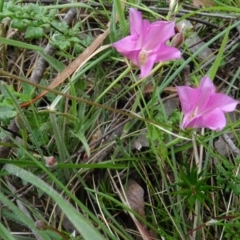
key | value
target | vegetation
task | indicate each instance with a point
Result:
(89, 150)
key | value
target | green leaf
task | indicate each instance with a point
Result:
(18, 24)
(19, 44)
(61, 26)
(75, 40)
(5, 234)
(68, 5)
(7, 113)
(120, 13)
(77, 219)
(59, 66)
(28, 91)
(3, 86)
(34, 33)
(82, 138)
(21, 217)
(64, 45)
(6, 13)
(217, 62)
(10, 6)
(34, 8)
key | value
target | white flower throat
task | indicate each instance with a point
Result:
(143, 56)
(194, 113)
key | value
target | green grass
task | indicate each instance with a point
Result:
(108, 129)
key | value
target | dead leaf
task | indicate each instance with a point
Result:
(61, 77)
(135, 194)
(149, 88)
(203, 3)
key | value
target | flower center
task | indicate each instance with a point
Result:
(193, 114)
(143, 57)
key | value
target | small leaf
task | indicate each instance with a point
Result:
(18, 24)
(82, 138)
(75, 40)
(6, 114)
(34, 32)
(46, 25)
(59, 66)
(28, 91)
(213, 70)
(34, 8)
(64, 45)
(135, 195)
(61, 26)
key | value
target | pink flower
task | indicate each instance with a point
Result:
(203, 107)
(147, 43)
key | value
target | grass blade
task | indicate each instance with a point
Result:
(77, 219)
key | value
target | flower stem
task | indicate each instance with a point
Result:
(196, 155)
(196, 210)
(198, 161)
(144, 78)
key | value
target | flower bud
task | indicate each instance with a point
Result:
(41, 225)
(50, 161)
(177, 40)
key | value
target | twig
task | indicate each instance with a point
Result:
(231, 144)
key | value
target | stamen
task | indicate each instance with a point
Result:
(193, 113)
(143, 57)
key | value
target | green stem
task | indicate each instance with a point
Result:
(196, 155)
(60, 142)
(58, 137)
(143, 79)
(24, 137)
(1, 6)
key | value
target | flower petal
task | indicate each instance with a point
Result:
(127, 48)
(166, 53)
(188, 122)
(144, 28)
(156, 34)
(206, 108)
(206, 84)
(223, 102)
(135, 22)
(188, 97)
(126, 44)
(207, 89)
(134, 57)
(215, 120)
(147, 67)
(167, 29)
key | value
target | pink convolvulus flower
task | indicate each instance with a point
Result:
(203, 107)
(146, 44)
